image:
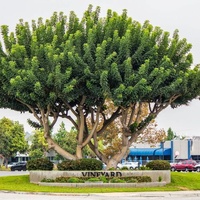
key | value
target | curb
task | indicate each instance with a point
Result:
(116, 194)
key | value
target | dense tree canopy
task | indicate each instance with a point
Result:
(67, 67)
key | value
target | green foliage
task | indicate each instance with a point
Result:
(104, 179)
(81, 164)
(117, 180)
(64, 179)
(12, 138)
(137, 179)
(93, 179)
(111, 169)
(74, 180)
(124, 168)
(67, 140)
(49, 67)
(144, 168)
(158, 165)
(39, 164)
(159, 178)
(170, 134)
(48, 180)
(38, 146)
(132, 179)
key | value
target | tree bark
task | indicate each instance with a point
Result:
(59, 150)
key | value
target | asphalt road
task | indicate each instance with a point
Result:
(188, 195)
(13, 173)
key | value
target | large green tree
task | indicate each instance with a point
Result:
(12, 138)
(67, 67)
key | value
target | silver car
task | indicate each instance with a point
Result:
(129, 165)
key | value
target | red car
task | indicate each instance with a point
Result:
(185, 165)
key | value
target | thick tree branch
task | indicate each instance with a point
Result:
(93, 131)
(107, 122)
(32, 110)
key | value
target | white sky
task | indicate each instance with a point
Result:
(183, 15)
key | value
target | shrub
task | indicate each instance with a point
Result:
(39, 164)
(137, 179)
(61, 179)
(94, 179)
(47, 180)
(158, 165)
(111, 169)
(159, 178)
(132, 179)
(91, 164)
(74, 180)
(81, 164)
(117, 180)
(104, 179)
(124, 168)
(67, 165)
(144, 168)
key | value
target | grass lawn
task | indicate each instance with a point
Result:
(179, 182)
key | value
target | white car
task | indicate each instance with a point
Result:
(11, 164)
(129, 165)
(197, 167)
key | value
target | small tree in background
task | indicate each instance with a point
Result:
(152, 135)
(39, 146)
(171, 134)
(68, 141)
(12, 138)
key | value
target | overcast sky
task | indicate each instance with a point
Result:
(183, 15)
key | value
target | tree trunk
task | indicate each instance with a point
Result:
(112, 162)
(79, 154)
(59, 150)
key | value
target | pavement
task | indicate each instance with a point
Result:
(185, 195)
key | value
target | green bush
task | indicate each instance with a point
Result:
(74, 180)
(158, 165)
(94, 179)
(144, 168)
(124, 168)
(117, 180)
(137, 179)
(132, 179)
(61, 179)
(104, 179)
(47, 180)
(81, 164)
(39, 164)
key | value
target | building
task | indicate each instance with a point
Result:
(174, 150)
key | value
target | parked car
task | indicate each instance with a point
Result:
(19, 166)
(129, 165)
(197, 167)
(185, 165)
(11, 164)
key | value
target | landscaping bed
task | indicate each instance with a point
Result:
(134, 178)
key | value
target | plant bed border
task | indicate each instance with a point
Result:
(104, 185)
